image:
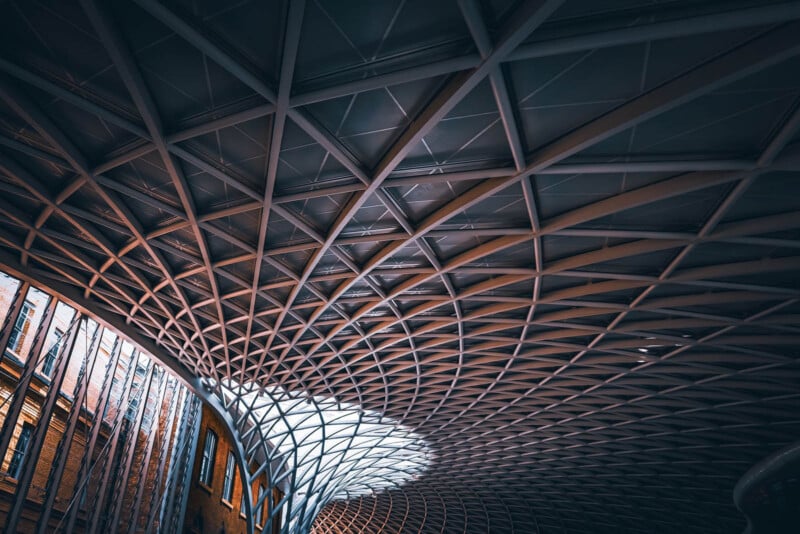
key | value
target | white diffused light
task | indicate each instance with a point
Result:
(333, 450)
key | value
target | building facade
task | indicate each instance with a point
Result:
(215, 504)
(95, 436)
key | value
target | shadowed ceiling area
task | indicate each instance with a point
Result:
(558, 240)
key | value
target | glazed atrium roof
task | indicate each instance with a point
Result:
(555, 242)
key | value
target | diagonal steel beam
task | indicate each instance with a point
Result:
(470, 10)
(30, 112)
(670, 27)
(758, 15)
(131, 77)
(471, 13)
(530, 16)
(290, 47)
(766, 50)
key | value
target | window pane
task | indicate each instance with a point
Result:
(28, 320)
(227, 490)
(99, 368)
(56, 337)
(137, 385)
(80, 351)
(207, 463)
(8, 288)
(21, 447)
(120, 375)
(261, 508)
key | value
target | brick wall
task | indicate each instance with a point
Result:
(9, 375)
(30, 414)
(206, 512)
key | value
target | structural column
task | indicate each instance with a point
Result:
(143, 468)
(11, 318)
(39, 433)
(179, 398)
(133, 435)
(85, 470)
(110, 449)
(18, 400)
(65, 443)
(180, 469)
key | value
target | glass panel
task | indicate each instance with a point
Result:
(8, 288)
(261, 508)
(21, 447)
(227, 489)
(120, 374)
(25, 326)
(207, 464)
(80, 352)
(99, 368)
(56, 337)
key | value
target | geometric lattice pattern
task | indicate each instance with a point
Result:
(558, 240)
(317, 451)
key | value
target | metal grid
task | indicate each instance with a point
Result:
(557, 240)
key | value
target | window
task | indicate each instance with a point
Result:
(50, 357)
(260, 510)
(8, 290)
(15, 466)
(227, 487)
(21, 327)
(130, 413)
(209, 451)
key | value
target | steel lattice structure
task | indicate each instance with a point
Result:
(556, 240)
(317, 451)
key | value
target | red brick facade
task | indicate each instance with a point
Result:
(9, 376)
(206, 511)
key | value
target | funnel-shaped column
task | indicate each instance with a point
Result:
(314, 450)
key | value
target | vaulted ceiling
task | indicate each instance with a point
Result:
(557, 239)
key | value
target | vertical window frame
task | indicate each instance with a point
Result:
(229, 479)
(52, 353)
(260, 519)
(19, 453)
(21, 325)
(206, 475)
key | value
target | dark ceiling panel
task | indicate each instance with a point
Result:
(561, 249)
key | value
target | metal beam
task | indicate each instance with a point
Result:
(123, 476)
(84, 471)
(761, 15)
(41, 428)
(14, 308)
(26, 375)
(290, 47)
(156, 499)
(97, 513)
(131, 77)
(155, 430)
(68, 437)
